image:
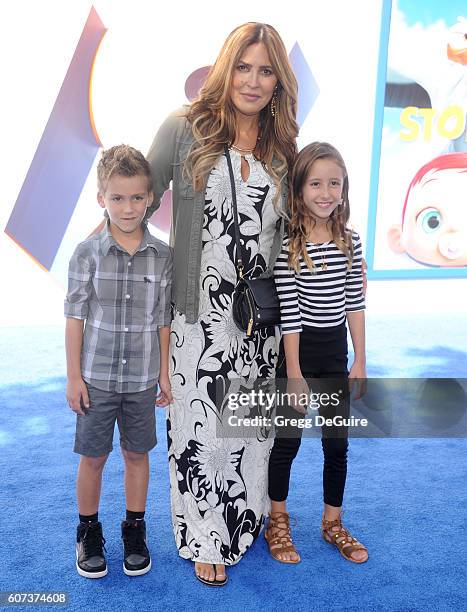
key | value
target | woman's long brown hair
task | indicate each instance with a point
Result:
(212, 114)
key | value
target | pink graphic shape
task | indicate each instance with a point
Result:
(162, 218)
(195, 81)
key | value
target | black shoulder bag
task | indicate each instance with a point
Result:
(255, 303)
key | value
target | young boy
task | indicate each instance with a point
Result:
(119, 283)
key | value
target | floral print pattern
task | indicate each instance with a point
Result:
(219, 485)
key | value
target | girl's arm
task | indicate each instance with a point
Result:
(297, 387)
(291, 318)
(291, 325)
(292, 362)
(355, 311)
(286, 287)
(356, 322)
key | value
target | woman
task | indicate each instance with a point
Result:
(218, 485)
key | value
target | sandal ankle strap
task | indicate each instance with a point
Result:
(330, 524)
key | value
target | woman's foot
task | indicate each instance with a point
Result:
(335, 533)
(279, 538)
(212, 574)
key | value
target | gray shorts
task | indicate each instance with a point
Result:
(135, 416)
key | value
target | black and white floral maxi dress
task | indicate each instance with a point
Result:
(219, 485)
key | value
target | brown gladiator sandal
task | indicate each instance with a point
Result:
(346, 543)
(279, 537)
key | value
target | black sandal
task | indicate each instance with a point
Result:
(215, 582)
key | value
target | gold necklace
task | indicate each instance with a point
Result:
(250, 149)
(324, 263)
(240, 150)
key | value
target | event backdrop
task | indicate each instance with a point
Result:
(96, 74)
(418, 205)
(94, 107)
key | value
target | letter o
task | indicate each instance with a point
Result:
(451, 112)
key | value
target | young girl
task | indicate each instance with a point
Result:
(319, 282)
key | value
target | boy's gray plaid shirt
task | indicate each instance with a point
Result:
(124, 300)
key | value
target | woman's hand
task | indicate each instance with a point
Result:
(165, 397)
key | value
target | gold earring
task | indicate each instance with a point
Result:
(273, 103)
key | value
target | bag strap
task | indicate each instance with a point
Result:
(235, 213)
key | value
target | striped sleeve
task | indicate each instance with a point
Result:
(354, 298)
(284, 277)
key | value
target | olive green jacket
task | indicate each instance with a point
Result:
(168, 150)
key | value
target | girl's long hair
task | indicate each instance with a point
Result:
(299, 216)
(212, 114)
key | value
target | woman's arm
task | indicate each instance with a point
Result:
(162, 154)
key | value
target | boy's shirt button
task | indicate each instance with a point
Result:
(123, 361)
(125, 329)
(129, 264)
(127, 296)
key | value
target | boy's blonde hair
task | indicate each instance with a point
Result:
(121, 160)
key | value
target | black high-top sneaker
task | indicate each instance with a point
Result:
(90, 560)
(137, 560)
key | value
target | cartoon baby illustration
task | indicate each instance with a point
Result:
(457, 42)
(433, 231)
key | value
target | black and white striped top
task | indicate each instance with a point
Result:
(319, 298)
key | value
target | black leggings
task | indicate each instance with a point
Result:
(323, 354)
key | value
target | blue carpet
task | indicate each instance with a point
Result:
(405, 499)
